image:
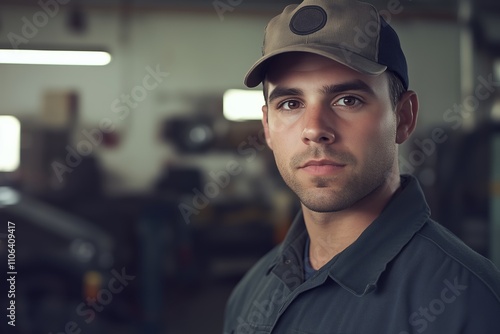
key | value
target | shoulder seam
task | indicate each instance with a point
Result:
(454, 258)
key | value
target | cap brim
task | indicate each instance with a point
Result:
(358, 63)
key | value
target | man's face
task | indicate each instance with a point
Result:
(332, 130)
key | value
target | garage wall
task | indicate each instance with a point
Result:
(202, 54)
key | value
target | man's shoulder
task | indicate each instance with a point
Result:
(438, 245)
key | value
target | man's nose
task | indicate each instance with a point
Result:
(318, 126)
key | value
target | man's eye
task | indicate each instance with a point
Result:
(290, 105)
(348, 101)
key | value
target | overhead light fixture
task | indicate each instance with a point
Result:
(243, 105)
(54, 57)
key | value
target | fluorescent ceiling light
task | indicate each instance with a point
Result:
(10, 143)
(242, 105)
(54, 57)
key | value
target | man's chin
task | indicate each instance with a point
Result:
(326, 202)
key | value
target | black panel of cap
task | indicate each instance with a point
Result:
(390, 53)
(308, 20)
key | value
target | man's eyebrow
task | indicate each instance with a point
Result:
(358, 85)
(283, 91)
(355, 85)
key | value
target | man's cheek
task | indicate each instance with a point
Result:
(284, 124)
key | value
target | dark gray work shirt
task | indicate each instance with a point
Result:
(404, 274)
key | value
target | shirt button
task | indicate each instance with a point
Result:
(288, 261)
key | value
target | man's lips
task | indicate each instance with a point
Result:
(322, 167)
(322, 162)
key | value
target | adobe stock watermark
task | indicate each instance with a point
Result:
(39, 20)
(121, 107)
(454, 116)
(364, 36)
(428, 313)
(259, 312)
(221, 179)
(88, 308)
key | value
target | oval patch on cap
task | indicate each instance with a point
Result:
(307, 20)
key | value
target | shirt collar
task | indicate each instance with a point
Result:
(359, 266)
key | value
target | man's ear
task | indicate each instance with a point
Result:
(406, 113)
(266, 126)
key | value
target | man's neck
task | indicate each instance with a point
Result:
(332, 232)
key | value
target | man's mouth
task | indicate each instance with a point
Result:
(322, 167)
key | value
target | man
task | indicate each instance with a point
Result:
(363, 256)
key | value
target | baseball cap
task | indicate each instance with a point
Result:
(350, 32)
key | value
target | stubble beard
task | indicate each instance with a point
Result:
(338, 192)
